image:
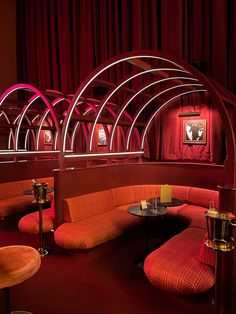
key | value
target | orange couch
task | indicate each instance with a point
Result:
(95, 218)
(12, 199)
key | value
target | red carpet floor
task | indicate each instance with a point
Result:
(102, 281)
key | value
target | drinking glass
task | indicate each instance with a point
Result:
(212, 205)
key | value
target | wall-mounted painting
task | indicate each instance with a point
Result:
(102, 139)
(47, 137)
(194, 131)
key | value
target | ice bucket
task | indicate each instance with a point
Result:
(40, 192)
(220, 230)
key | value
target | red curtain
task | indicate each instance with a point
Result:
(59, 42)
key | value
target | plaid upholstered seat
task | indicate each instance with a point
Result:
(92, 231)
(175, 266)
(30, 222)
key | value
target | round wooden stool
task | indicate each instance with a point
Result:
(17, 263)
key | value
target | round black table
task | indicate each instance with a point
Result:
(174, 202)
(147, 214)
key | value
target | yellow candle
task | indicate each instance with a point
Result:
(166, 193)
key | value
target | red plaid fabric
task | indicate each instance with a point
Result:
(123, 195)
(175, 268)
(95, 230)
(206, 254)
(194, 215)
(84, 206)
(30, 223)
(201, 197)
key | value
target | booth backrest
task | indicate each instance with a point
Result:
(201, 197)
(84, 206)
(133, 193)
(181, 192)
(16, 188)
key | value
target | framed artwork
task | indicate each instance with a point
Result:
(47, 137)
(102, 139)
(194, 131)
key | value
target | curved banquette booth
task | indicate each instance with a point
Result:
(91, 213)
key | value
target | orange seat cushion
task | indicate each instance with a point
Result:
(95, 230)
(17, 263)
(30, 223)
(175, 267)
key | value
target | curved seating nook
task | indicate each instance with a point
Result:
(12, 197)
(178, 266)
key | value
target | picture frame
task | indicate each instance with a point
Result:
(102, 139)
(47, 137)
(194, 132)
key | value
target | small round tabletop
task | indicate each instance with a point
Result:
(18, 263)
(174, 202)
(148, 212)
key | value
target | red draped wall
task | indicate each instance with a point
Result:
(59, 42)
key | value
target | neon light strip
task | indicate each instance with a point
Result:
(55, 141)
(26, 138)
(119, 86)
(56, 101)
(11, 138)
(35, 118)
(168, 101)
(36, 152)
(96, 75)
(140, 91)
(149, 101)
(73, 134)
(30, 88)
(8, 92)
(36, 96)
(3, 113)
(103, 154)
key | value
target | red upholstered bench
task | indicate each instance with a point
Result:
(30, 222)
(95, 218)
(13, 200)
(92, 219)
(182, 265)
(175, 266)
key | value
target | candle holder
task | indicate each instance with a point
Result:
(40, 197)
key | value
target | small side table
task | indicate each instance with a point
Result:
(174, 202)
(18, 263)
(147, 214)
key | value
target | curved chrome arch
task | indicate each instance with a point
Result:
(162, 106)
(106, 65)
